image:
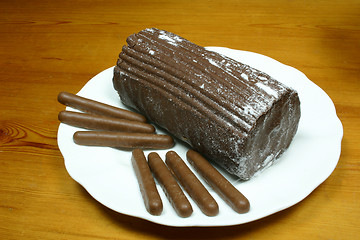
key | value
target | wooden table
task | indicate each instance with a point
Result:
(52, 46)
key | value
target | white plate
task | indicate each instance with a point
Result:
(108, 176)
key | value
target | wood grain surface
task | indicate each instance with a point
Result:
(52, 46)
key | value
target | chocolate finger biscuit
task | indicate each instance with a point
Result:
(146, 182)
(218, 182)
(171, 188)
(123, 140)
(191, 184)
(98, 122)
(91, 106)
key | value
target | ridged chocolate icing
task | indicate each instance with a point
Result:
(233, 114)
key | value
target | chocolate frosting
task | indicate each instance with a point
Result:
(233, 114)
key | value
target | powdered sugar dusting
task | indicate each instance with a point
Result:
(173, 40)
(248, 110)
(262, 78)
(267, 89)
(244, 76)
(213, 62)
(254, 101)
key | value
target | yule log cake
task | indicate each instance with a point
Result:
(234, 115)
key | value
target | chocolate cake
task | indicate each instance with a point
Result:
(233, 114)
